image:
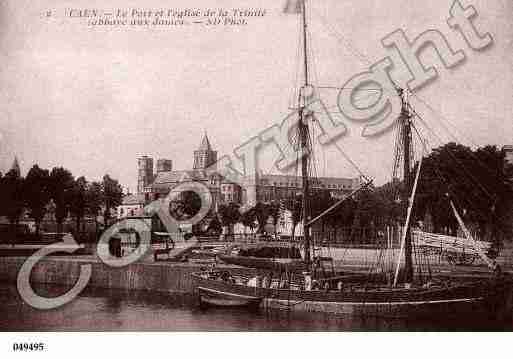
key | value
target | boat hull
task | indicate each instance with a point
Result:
(218, 298)
(403, 309)
(295, 265)
(488, 299)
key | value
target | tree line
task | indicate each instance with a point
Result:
(71, 197)
(478, 182)
(254, 218)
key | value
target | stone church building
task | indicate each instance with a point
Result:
(259, 188)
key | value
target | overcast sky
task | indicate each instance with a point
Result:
(93, 100)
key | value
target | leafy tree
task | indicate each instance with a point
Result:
(497, 178)
(11, 188)
(229, 214)
(94, 200)
(112, 195)
(214, 227)
(274, 213)
(2, 193)
(60, 186)
(185, 205)
(295, 206)
(390, 209)
(478, 182)
(248, 219)
(78, 203)
(262, 213)
(342, 216)
(320, 200)
(36, 194)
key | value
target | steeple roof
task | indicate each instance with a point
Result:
(205, 144)
(16, 166)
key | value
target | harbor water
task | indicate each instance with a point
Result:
(122, 310)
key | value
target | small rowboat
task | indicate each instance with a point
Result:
(214, 297)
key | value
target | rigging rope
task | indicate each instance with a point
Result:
(458, 162)
(351, 162)
(364, 59)
(440, 119)
(355, 52)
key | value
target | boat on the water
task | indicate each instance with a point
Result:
(397, 292)
(486, 298)
(211, 296)
(214, 297)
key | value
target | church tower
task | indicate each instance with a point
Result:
(145, 173)
(204, 156)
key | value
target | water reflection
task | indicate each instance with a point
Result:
(119, 310)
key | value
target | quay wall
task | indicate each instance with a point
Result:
(161, 277)
(175, 277)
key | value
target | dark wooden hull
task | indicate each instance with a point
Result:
(489, 298)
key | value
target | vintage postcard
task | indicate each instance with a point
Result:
(265, 165)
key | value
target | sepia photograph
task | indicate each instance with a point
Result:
(209, 166)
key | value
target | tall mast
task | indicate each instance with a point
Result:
(406, 130)
(305, 48)
(304, 139)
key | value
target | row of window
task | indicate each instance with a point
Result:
(129, 211)
(296, 185)
(230, 197)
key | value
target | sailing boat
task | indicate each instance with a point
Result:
(358, 293)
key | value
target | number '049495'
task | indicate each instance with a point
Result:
(28, 347)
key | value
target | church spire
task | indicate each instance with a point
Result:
(204, 156)
(16, 166)
(205, 143)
